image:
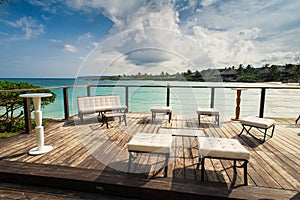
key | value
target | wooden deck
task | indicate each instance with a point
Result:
(89, 157)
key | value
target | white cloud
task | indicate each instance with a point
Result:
(70, 48)
(55, 41)
(48, 6)
(28, 26)
(85, 36)
(182, 33)
(207, 2)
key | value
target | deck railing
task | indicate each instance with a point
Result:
(27, 114)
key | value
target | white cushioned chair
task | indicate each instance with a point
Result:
(222, 148)
(259, 123)
(150, 143)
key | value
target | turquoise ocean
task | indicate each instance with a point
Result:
(282, 103)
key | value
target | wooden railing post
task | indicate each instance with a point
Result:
(27, 114)
(88, 90)
(168, 95)
(212, 98)
(126, 97)
(66, 103)
(262, 102)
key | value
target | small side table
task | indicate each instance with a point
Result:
(161, 109)
(39, 129)
(209, 112)
(238, 102)
(182, 132)
(107, 116)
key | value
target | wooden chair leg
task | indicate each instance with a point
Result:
(245, 173)
(170, 116)
(129, 161)
(166, 165)
(297, 119)
(265, 135)
(202, 169)
(125, 120)
(244, 128)
(273, 130)
(106, 121)
(217, 119)
(153, 116)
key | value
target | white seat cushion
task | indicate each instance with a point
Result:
(149, 142)
(207, 111)
(222, 148)
(257, 122)
(161, 109)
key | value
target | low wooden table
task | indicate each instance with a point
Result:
(182, 132)
(107, 116)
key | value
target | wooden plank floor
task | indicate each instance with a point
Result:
(88, 145)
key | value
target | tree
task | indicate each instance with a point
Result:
(296, 71)
(240, 70)
(274, 72)
(10, 102)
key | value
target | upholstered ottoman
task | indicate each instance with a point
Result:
(150, 143)
(259, 123)
(223, 148)
(161, 109)
(209, 112)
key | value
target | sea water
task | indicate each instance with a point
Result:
(283, 103)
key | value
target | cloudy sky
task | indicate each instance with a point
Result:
(70, 38)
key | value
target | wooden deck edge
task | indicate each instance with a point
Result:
(127, 185)
(88, 180)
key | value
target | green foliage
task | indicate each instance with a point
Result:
(249, 73)
(15, 125)
(10, 102)
(249, 78)
(7, 135)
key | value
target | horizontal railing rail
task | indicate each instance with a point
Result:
(126, 87)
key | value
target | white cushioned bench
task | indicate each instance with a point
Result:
(222, 148)
(94, 104)
(209, 112)
(150, 143)
(161, 109)
(259, 123)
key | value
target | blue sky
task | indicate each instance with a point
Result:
(70, 38)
